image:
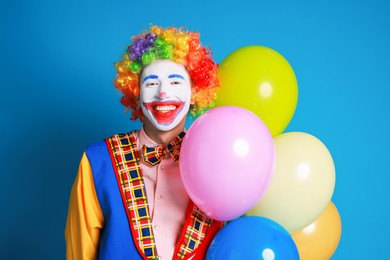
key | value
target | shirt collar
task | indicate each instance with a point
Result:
(144, 139)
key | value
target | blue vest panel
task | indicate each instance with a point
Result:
(116, 241)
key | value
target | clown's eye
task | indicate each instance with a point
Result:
(176, 82)
(152, 84)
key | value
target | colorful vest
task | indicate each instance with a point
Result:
(120, 188)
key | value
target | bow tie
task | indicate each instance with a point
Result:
(154, 155)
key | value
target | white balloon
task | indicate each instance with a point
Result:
(302, 184)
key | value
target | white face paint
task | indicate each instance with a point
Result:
(165, 93)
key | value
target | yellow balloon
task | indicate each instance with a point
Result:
(319, 240)
(261, 80)
(302, 184)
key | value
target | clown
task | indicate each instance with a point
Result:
(128, 200)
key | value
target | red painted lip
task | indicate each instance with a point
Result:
(165, 117)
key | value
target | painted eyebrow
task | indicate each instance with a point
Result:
(176, 76)
(151, 76)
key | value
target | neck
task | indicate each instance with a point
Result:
(162, 137)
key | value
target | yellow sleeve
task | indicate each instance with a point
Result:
(85, 218)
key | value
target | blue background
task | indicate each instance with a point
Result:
(56, 73)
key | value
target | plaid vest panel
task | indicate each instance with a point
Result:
(126, 161)
(195, 231)
(124, 152)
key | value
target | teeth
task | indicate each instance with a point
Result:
(165, 108)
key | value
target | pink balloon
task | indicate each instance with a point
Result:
(226, 161)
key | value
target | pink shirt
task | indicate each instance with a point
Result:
(167, 199)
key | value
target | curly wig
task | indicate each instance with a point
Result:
(176, 44)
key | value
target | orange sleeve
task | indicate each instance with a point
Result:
(85, 217)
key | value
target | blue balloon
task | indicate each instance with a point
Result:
(255, 238)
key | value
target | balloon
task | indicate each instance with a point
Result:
(302, 184)
(252, 238)
(319, 240)
(226, 161)
(259, 79)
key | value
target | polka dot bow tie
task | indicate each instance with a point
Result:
(154, 155)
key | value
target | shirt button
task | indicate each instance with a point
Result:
(155, 227)
(162, 167)
(159, 197)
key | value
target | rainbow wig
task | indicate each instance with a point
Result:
(176, 44)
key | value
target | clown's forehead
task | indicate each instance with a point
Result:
(164, 69)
